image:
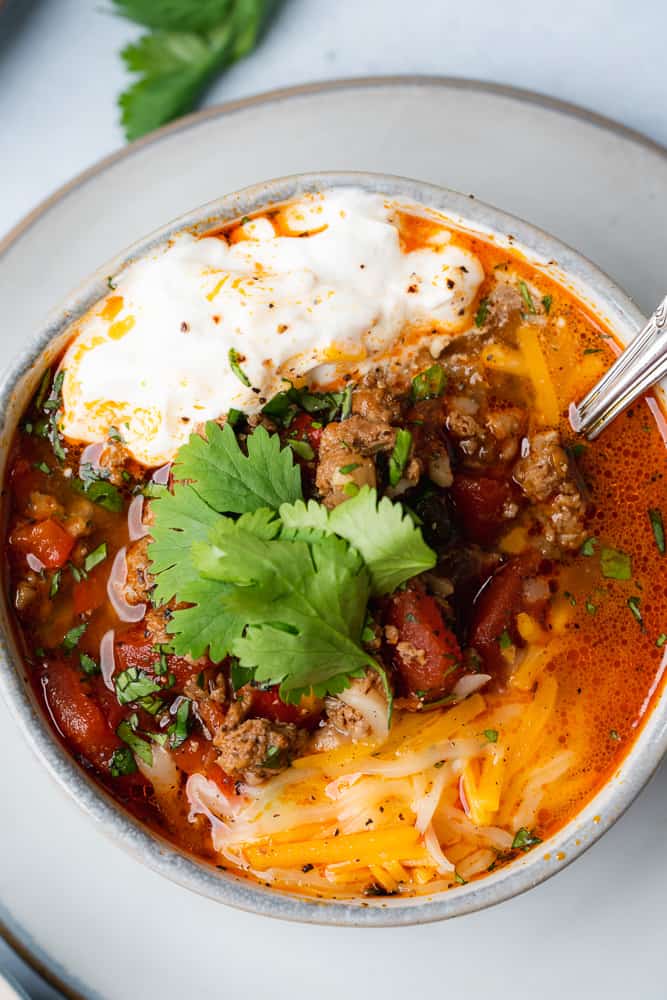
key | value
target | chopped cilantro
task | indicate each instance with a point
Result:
(655, 517)
(346, 405)
(615, 565)
(399, 456)
(345, 470)
(234, 364)
(633, 604)
(482, 312)
(94, 484)
(527, 297)
(133, 684)
(429, 383)
(591, 608)
(302, 449)
(588, 548)
(89, 666)
(505, 640)
(459, 879)
(491, 735)
(524, 839)
(178, 731)
(661, 640)
(71, 640)
(593, 350)
(546, 302)
(161, 666)
(127, 733)
(273, 757)
(43, 467)
(122, 762)
(613, 735)
(95, 557)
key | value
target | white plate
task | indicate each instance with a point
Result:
(101, 923)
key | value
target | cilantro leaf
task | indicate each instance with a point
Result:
(174, 15)
(210, 624)
(233, 483)
(122, 762)
(387, 538)
(614, 564)
(190, 44)
(399, 456)
(304, 606)
(133, 684)
(127, 733)
(524, 839)
(180, 518)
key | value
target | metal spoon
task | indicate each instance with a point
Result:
(641, 365)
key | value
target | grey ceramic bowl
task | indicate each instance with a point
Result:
(558, 260)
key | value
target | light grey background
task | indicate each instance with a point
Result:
(59, 74)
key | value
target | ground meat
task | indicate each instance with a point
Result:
(140, 581)
(374, 404)
(258, 749)
(504, 307)
(545, 476)
(350, 445)
(543, 467)
(208, 701)
(346, 720)
(485, 439)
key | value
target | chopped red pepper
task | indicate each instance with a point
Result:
(47, 540)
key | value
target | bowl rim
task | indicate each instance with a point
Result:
(561, 262)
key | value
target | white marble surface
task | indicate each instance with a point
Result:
(60, 73)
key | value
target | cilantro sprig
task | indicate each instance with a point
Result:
(187, 46)
(284, 586)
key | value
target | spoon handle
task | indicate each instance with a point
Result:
(641, 365)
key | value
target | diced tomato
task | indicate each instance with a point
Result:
(479, 502)
(47, 540)
(302, 429)
(268, 705)
(90, 594)
(495, 609)
(77, 714)
(197, 756)
(133, 651)
(430, 663)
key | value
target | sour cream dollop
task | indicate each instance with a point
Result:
(153, 359)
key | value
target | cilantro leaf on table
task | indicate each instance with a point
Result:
(303, 604)
(387, 538)
(188, 45)
(233, 483)
(175, 15)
